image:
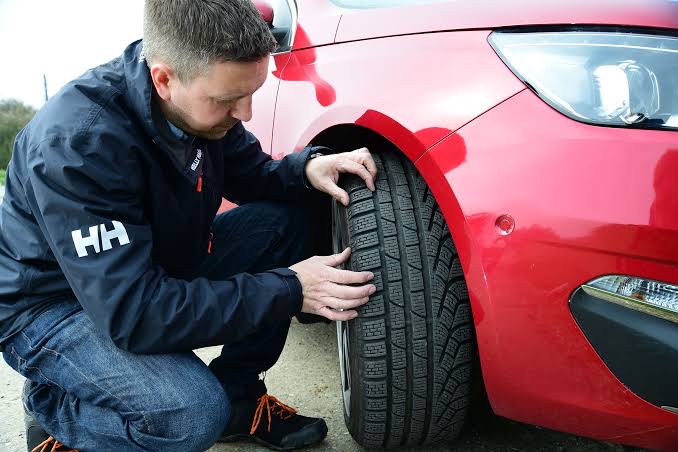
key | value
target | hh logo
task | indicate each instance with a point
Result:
(96, 232)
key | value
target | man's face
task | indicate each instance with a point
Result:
(209, 105)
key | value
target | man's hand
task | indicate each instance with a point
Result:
(323, 172)
(326, 290)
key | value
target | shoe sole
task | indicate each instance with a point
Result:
(306, 443)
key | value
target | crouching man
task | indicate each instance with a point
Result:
(114, 262)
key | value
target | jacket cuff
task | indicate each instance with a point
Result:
(295, 293)
(322, 150)
(299, 160)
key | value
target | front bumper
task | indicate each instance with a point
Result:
(587, 201)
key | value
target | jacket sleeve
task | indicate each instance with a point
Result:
(250, 174)
(86, 195)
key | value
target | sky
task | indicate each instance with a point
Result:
(61, 39)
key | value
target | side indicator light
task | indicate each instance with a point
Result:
(651, 297)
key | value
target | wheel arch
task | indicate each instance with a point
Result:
(346, 137)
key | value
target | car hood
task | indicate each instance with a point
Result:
(359, 24)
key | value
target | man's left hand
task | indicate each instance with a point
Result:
(323, 172)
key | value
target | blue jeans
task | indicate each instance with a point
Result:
(91, 395)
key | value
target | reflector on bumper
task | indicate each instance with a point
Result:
(645, 295)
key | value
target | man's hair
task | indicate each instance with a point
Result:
(191, 35)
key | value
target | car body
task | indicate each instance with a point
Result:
(538, 203)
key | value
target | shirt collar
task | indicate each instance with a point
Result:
(178, 133)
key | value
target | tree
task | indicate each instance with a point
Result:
(14, 115)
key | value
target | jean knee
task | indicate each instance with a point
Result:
(215, 414)
(194, 423)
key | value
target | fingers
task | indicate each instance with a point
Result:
(340, 299)
(335, 308)
(336, 259)
(337, 315)
(343, 293)
(338, 309)
(365, 158)
(336, 192)
(350, 166)
(344, 276)
(339, 276)
(349, 277)
(324, 174)
(340, 304)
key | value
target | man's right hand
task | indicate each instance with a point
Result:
(326, 289)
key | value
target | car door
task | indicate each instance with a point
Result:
(279, 15)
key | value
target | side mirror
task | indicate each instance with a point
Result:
(265, 10)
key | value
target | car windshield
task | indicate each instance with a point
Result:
(364, 4)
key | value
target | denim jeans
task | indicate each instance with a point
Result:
(91, 395)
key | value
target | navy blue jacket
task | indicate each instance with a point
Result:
(102, 203)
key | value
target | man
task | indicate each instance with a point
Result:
(113, 266)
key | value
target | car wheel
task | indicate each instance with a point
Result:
(406, 361)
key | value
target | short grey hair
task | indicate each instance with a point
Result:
(191, 35)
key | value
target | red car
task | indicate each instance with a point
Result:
(525, 226)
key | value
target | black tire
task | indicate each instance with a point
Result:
(406, 361)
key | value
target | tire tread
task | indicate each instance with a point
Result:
(413, 373)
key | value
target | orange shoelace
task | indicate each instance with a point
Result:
(272, 406)
(51, 441)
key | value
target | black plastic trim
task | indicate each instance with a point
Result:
(626, 29)
(641, 350)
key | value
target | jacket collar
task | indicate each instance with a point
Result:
(139, 96)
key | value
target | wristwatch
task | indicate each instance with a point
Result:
(310, 157)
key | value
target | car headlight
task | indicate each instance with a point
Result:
(606, 78)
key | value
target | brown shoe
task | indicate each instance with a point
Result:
(52, 445)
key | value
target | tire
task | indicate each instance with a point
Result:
(406, 361)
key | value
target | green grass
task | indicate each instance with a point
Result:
(2, 177)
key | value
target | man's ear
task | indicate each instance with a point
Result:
(163, 77)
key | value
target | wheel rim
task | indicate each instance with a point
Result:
(342, 337)
(339, 242)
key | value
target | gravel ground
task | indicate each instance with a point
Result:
(307, 377)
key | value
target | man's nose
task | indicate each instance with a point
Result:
(243, 109)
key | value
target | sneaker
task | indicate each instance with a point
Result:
(52, 445)
(35, 434)
(37, 439)
(273, 424)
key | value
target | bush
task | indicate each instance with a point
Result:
(14, 115)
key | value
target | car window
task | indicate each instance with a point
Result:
(365, 4)
(282, 23)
